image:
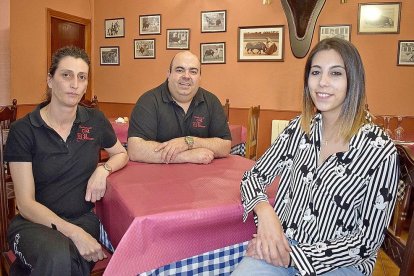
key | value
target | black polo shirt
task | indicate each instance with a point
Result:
(157, 117)
(61, 169)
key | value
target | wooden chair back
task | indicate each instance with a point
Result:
(90, 103)
(226, 108)
(402, 253)
(8, 114)
(252, 132)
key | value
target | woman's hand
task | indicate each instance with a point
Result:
(87, 246)
(96, 185)
(270, 243)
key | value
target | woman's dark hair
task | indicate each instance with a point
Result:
(353, 108)
(67, 51)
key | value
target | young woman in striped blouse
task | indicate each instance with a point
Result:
(339, 175)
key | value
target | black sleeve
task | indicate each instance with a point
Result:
(219, 126)
(143, 120)
(108, 134)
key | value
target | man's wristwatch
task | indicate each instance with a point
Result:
(189, 140)
(107, 167)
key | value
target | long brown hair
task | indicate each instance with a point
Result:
(352, 115)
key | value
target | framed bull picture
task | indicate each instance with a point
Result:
(213, 21)
(262, 43)
(379, 18)
(150, 24)
(144, 48)
(213, 53)
(178, 39)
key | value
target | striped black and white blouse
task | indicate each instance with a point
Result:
(339, 211)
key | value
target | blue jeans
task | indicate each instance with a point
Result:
(250, 266)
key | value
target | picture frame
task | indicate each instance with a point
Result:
(213, 21)
(261, 43)
(109, 55)
(213, 53)
(379, 18)
(341, 31)
(405, 56)
(144, 48)
(114, 28)
(150, 24)
(178, 39)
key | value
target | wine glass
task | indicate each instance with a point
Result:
(399, 131)
(387, 129)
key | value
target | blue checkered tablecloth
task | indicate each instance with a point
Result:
(239, 149)
(217, 262)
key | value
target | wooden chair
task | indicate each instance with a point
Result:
(226, 108)
(401, 252)
(252, 132)
(90, 103)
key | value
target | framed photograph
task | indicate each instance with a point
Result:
(114, 27)
(109, 55)
(150, 24)
(144, 48)
(263, 43)
(376, 18)
(178, 39)
(341, 31)
(405, 53)
(213, 53)
(213, 21)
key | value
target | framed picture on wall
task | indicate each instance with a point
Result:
(213, 53)
(376, 18)
(262, 43)
(150, 24)
(178, 39)
(114, 28)
(144, 48)
(341, 31)
(109, 55)
(405, 53)
(213, 21)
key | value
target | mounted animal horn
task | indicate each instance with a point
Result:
(301, 16)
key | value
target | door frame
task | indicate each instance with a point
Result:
(74, 19)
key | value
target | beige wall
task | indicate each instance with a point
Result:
(28, 46)
(273, 85)
(5, 52)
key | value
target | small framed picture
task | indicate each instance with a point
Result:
(341, 31)
(262, 43)
(114, 27)
(150, 24)
(213, 53)
(178, 39)
(109, 55)
(379, 18)
(213, 21)
(406, 53)
(144, 48)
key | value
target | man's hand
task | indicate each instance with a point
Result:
(270, 243)
(170, 149)
(87, 246)
(96, 185)
(198, 156)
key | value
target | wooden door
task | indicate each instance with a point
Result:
(65, 29)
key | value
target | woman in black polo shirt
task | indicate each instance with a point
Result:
(53, 156)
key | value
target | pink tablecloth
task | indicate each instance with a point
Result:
(121, 130)
(238, 134)
(159, 213)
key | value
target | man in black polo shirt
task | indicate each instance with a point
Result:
(178, 121)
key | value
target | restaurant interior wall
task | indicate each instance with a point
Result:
(276, 86)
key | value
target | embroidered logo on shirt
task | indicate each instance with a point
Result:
(198, 122)
(83, 135)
